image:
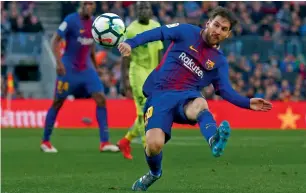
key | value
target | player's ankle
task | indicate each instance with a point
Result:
(156, 173)
(128, 138)
(211, 141)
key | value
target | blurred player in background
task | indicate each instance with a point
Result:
(192, 61)
(76, 72)
(142, 61)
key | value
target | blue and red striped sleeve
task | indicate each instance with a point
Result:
(64, 27)
(167, 32)
(224, 88)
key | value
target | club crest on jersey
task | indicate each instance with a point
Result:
(209, 64)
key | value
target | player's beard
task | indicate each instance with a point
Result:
(210, 39)
(213, 40)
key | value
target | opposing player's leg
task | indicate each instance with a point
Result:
(124, 144)
(197, 110)
(62, 89)
(94, 87)
(137, 129)
(158, 120)
(137, 77)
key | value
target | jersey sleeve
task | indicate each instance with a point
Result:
(160, 43)
(167, 32)
(224, 88)
(64, 27)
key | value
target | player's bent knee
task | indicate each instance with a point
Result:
(99, 99)
(153, 147)
(194, 107)
(155, 140)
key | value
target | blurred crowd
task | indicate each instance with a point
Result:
(280, 77)
(269, 19)
(273, 80)
(18, 17)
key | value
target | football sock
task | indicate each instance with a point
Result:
(154, 163)
(101, 116)
(49, 123)
(136, 130)
(207, 124)
(130, 134)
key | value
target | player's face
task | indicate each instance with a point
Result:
(144, 11)
(88, 8)
(218, 29)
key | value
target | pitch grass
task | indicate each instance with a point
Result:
(254, 162)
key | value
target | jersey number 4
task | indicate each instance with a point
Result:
(62, 86)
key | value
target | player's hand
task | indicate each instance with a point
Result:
(125, 49)
(258, 104)
(60, 69)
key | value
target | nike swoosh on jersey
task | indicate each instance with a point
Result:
(192, 48)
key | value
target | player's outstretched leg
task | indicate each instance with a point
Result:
(101, 115)
(218, 142)
(138, 127)
(46, 145)
(155, 139)
(216, 137)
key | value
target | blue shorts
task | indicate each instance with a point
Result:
(162, 109)
(80, 83)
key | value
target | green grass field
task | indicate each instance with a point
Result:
(254, 162)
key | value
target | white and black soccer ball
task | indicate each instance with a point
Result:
(108, 30)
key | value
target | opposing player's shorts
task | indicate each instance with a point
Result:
(162, 109)
(74, 82)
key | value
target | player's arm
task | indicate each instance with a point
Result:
(160, 55)
(173, 32)
(226, 91)
(93, 55)
(167, 32)
(55, 44)
(59, 36)
(224, 88)
(124, 86)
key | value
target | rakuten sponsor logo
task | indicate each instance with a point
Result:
(23, 119)
(189, 63)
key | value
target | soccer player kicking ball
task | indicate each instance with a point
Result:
(142, 61)
(192, 61)
(75, 72)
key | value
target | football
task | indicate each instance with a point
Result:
(108, 30)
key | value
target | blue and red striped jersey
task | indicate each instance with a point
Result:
(77, 34)
(188, 64)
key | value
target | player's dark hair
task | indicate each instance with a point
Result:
(223, 12)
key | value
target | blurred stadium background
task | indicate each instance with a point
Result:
(267, 56)
(266, 51)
